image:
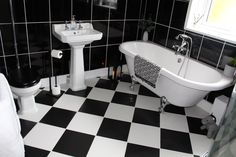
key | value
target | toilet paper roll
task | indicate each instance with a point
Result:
(56, 90)
(56, 54)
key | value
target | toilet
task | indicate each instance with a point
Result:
(24, 83)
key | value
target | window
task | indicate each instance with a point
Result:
(215, 18)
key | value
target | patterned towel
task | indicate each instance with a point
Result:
(146, 71)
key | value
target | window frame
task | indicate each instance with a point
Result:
(201, 25)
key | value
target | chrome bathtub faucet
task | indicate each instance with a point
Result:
(185, 46)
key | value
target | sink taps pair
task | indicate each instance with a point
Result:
(73, 24)
(185, 45)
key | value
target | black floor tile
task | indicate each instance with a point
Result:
(146, 117)
(26, 126)
(74, 143)
(82, 93)
(194, 125)
(106, 84)
(125, 78)
(35, 152)
(134, 150)
(144, 91)
(114, 129)
(124, 98)
(58, 117)
(174, 109)
(44, 97)
(94, 107)
(177, 141)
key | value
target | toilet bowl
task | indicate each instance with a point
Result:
(24, 83)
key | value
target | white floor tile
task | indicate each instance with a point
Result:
(119, 112)
(170, 153)
(36, 117)
(91, 82)
(200, 144)
(43, 136)
(70, 102)
(146, 102)
(105, 147)
(101, 94)
(85, 123)
(125, 87)
(196, 112)
(173, 122)
(55, 154)
(64, 87)
(144, 135)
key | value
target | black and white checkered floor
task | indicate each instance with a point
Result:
(109, 120)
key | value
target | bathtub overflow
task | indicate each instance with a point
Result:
(179, 60)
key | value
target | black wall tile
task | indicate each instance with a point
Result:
(18, 9)
(171, 38)
(39, 37)
(102, 27)
(61, 66)
(82, 9)
(164, 11)
(115, 32)
(8, 41)
(133, 8)
(210, 51)
(100, 13)
(197, 39)
(228, 52)
(113, 56)
(60, 10)
(11, 63)
(24, 61)
(130, 30)
(98, 56)
(86, 58)
(120, 11)
(161, 34)
(179, 14)
(2, 66)
(5, 11)
(37, 11)
(151, 10)
(21, 38)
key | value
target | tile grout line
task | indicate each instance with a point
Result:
(90, 45)
(3, 52)
(140, 11)
(221, 54)
(107, 42)
(50, 37)
(124, 23)
(153, 36)
(200, 48)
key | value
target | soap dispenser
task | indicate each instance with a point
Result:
(73, 24)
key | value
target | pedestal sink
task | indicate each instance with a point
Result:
(77, 39)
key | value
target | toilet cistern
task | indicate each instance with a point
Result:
(77, 36)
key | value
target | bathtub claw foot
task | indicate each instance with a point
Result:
(163, 103)
(132, 83)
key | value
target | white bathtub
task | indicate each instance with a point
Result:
(185, 87)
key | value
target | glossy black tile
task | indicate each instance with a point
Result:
(94, 107)
(171, 38)
(212, 95)
(57, 44)
(130, 30)
(98, 57)
(18, 9)
(119, 12)
(11, 63)
(82, 9)
(160, 34)
(134, 150)
(82, 93)
(115, 32)
(26, 126)
(71, 141)
(36, 152)
(24, 61)
(60, 10)
(7, 37)
(124, 98)
(174, 109)
(228, 52)
(151, 10)
(37, 11)
(114, 129)
(61, 66)
(164, 11)
(2, 66)
(210, 51)
(86, 58)
(5, 10)
(146, 117)
(197, 39)
(133, 9)
(113, 56)
(100, 13)
(102, 27)
(194, 125)
(58, 117)
(106, 84)
(39, 37)
(44, 98)
(144, 91)
(177, 141)
(179, 14)
(21, 38)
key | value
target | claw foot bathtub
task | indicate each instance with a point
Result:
(184, 82)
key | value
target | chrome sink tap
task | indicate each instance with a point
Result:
(185, 46)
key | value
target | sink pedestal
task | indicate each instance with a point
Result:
(77, 81)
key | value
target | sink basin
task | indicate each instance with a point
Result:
(77, 39)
